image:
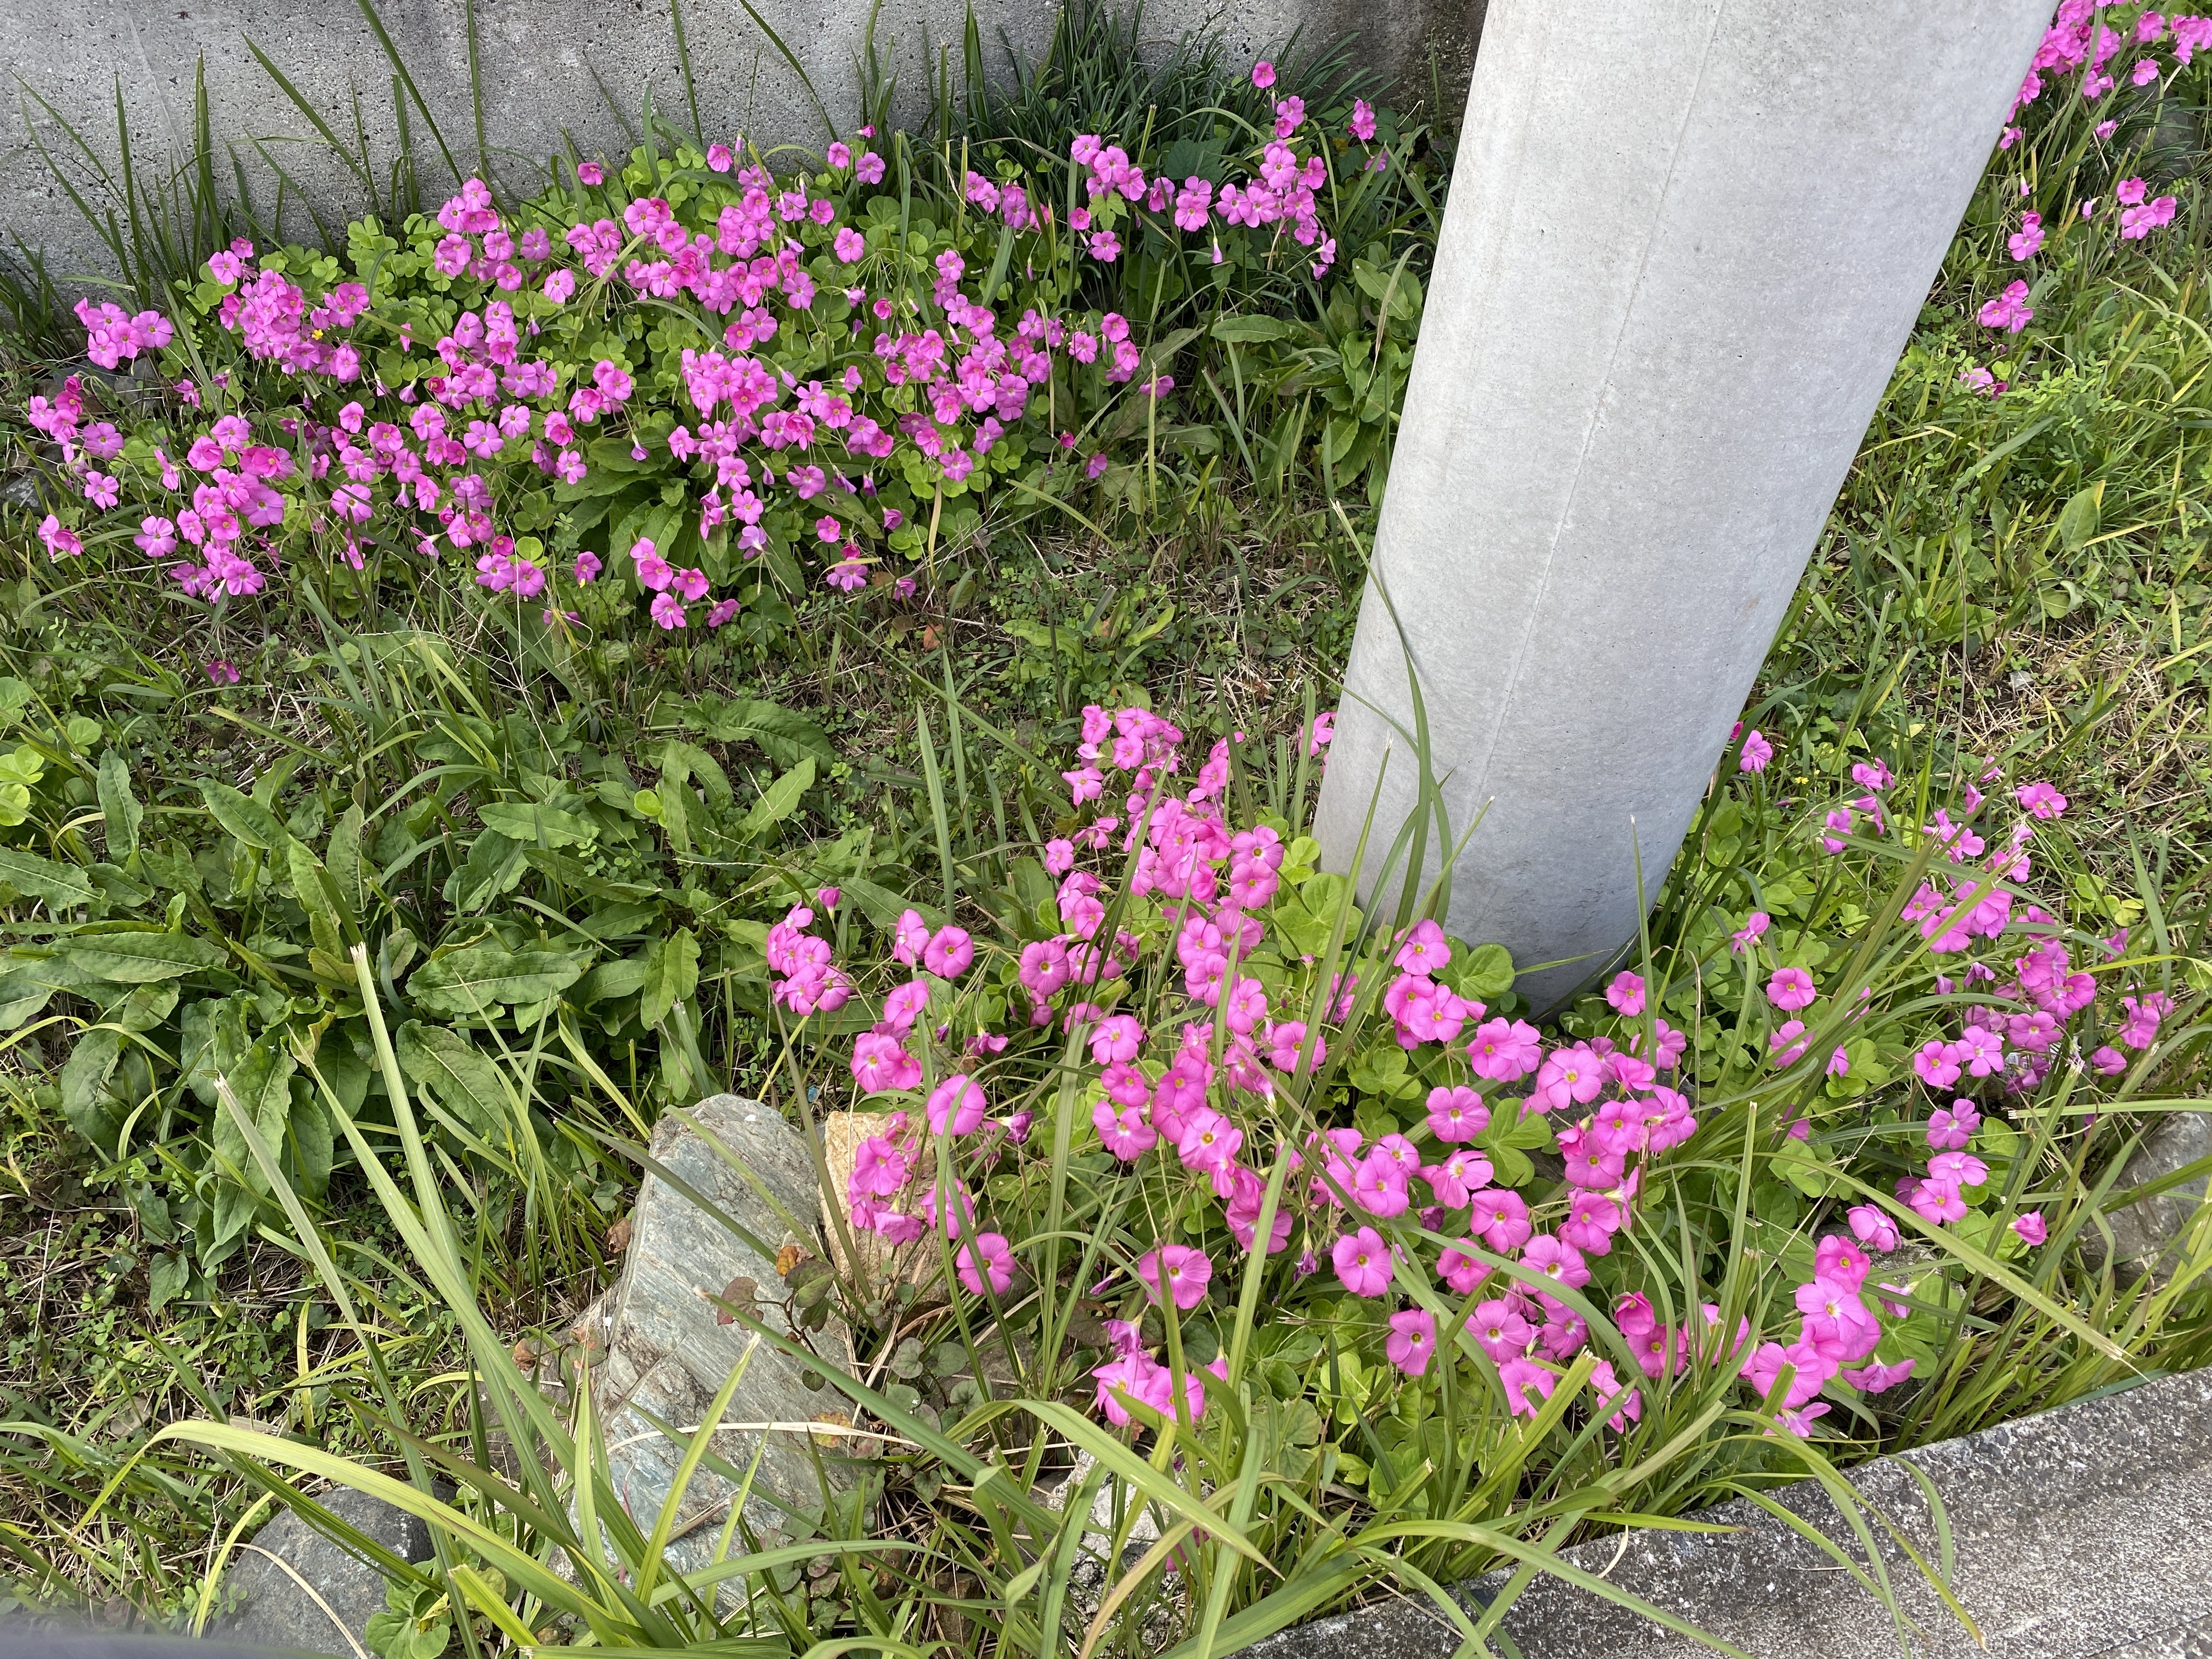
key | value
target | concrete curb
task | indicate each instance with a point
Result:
(2081, 1533)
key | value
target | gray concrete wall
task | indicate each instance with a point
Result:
(549, 67)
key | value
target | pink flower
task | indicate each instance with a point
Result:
(1187, 1271)
(1362, 1262)
(949, 952)
(1413, 1339)
(1425, 950)
(881, 1062)
(1457, 1113)
(1559, 1262)
(667, 611)
(1124, 1133)
(956, 1106)
(1757, 752)
(60, 540)
(1625, 994)
(2009, 311)
(2040, 799)
(1755, 925)
(2031, 1227)
(1499, 1331)
(1499, 1219)
(1363, 120)
(1790, 989)
(2025, 242)
(590, 173)
(1875, 1379)
(1263, 75)
(988, 1254)
(1519, 1376)
(1505, 1051)
(223, 672)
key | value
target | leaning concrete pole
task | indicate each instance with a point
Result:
(1686, 242)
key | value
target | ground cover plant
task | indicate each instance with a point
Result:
(361, 1013)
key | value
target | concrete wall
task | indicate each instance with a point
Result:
(550, 68)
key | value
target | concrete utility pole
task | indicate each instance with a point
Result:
(1686, 243)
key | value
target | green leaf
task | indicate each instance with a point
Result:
(343, 861)
(60, 885)
(1488, 973)
(22, 996)
(327, 922)
(535, 824)
(85, 1100)
(1250, 331)
(457, 1071)
(2077, 519)
(119, 807)
(672, 974)
(313, 1145)
(244, 817)
(480, 977)
(141, 958)
(779, 800)
(262, 1083)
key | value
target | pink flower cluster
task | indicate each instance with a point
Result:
(1284, 191)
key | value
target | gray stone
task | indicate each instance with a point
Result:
(1684, 247)
(548, 69)
(2150, 1235)
(2084, 1531)
(667, 1353)
(296, 1589)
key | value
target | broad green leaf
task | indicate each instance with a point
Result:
(465, 1082)
(262, 1083)
(1488, 973)
(85, 1100)
(141, 958)
(22, 996)
(1250, 331)
(672, 974)
(535, 824)
(119, 807)
(59, 885)
(779, 800)
(327, 922)
(343, 861)
(312, 1142)
(2077, 519)
(244, 817)
(478, 978)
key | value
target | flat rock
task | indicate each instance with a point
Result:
(2082, 1533)
(667, 1354)
(2148, 1234)
(299, 1589)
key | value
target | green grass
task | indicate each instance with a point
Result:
(2023, 578)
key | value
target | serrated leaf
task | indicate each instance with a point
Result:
(136, 958)
(478, 978)
(457, 1071)
(119, 807)
(61, 885)
(535, 824)
(244, 817)
(672, 974)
